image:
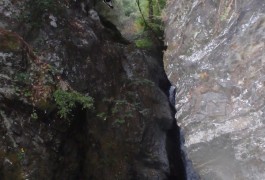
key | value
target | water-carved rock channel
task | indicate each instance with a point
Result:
(80, 101)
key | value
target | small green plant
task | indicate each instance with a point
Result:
(27, 93)
(120, 103)
(122, 111)
(16, 90)
(144, 43)
(118, 122)
(102, 116)
(66, 101)
(145, 111)
(34, 115)
(23, 77)
(21, 155)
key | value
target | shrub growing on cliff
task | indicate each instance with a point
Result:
(66, 101)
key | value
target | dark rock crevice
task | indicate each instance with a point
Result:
(72, 150)
(173, 141)
(177, 169)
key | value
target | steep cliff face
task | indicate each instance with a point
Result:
(54, 58)
(215, 58)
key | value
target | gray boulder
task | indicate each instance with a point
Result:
(216, 59)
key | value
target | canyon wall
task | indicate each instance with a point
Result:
(216, 59)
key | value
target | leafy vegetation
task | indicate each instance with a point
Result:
(118, 122)
(151, 20)
(38, 85)
(66, 101)
(144, 43)
(140, 21)
(43, 95)
(34, 115)
(102, 116)
(23, 77)
(124, 108)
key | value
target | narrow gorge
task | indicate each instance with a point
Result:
(146, 90)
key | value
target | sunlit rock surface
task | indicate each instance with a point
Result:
(216, 60)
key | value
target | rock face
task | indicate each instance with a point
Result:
(51, 45)
(216, 58)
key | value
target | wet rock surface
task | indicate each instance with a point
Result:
(215, 58)
(124, 136)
